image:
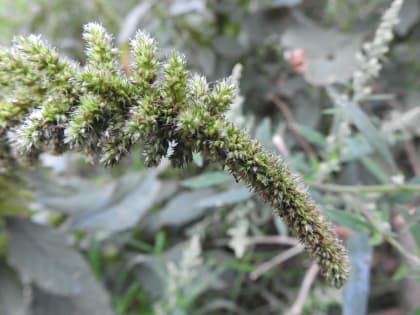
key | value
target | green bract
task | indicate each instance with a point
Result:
(52, 104)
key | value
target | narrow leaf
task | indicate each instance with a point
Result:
(206, 180)
(363, 123)
(347, 219)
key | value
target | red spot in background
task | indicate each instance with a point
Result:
(296, 59)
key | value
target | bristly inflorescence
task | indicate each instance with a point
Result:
(52, 104)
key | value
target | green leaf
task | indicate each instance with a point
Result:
(240, 265)
(312, 135)
(347, 219)
(375, 170)
(181, 209)
(362, 121)
(63, 282)
(416, 311)
(415, 231)
(191, 205)
(409, 16)
(228, 197)
(160, 242)
(11, 292)
(330, 56)
(134, 196)
(401, 272)
(92, 301)
(41, 255)
(206, 180)
(73, 195)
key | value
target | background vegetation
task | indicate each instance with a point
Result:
(76, 238)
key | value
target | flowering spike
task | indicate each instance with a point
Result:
(101, 111)
(100, 50)
(371, 57)
(145, 64)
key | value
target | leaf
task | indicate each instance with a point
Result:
(206, 180)
(181, 209)
(41, 255)
(416, 311)
(356, 148)
(409, 16)
(134, 196)
(72, 195)
(228, 46)
(11, 292)
(375, 169)
(415, 231)
(225, 198)
(93, 300)
(312, 135)
(365, 126)
(167, 189)
(356, 291)
(347, 219)
(189, 206)
(329, 56)
(401, 272)
(405, 197)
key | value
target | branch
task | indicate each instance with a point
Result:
(277, 260)
(389, 188)
(310, 276)
(277, 239)
(291, 123)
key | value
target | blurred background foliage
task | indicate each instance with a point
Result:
(79, 239)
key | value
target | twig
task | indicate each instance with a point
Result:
(412, 156)
(310, 276)
(389, 188)
(277, 260)
(410, 257)
(291, 123)
(283, 240)
(273, 240)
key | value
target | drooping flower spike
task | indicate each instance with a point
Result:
(52, 104)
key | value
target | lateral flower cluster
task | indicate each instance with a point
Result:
(52, 104)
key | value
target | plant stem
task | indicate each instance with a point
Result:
(390, 188)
